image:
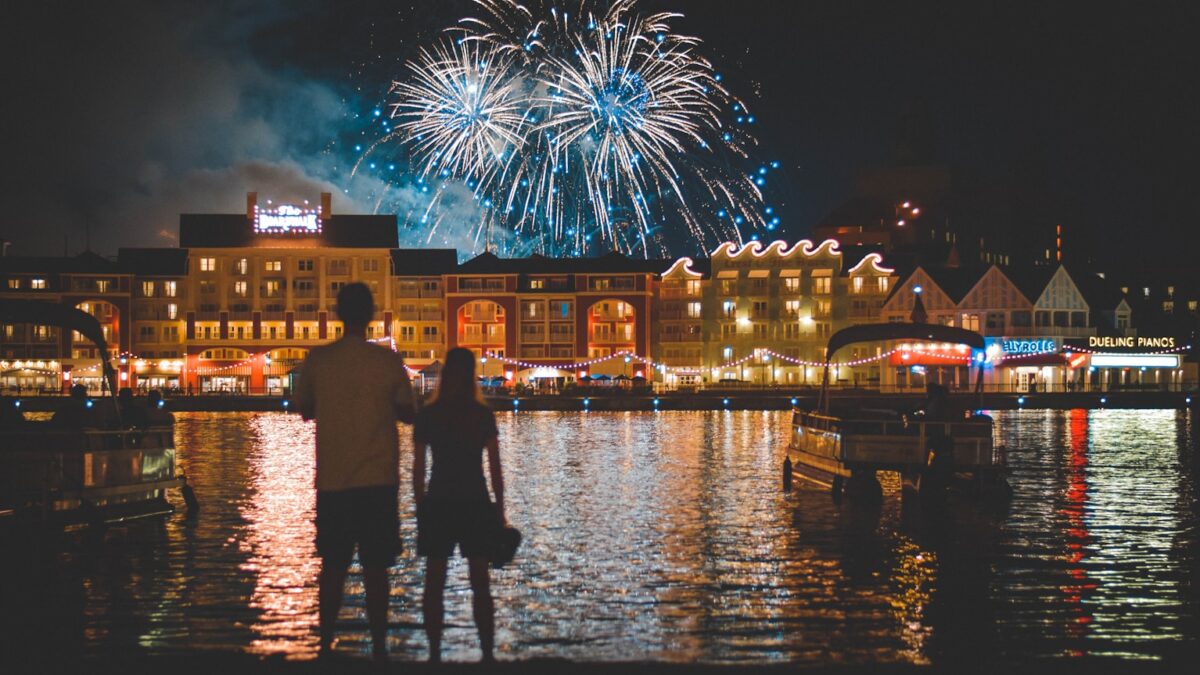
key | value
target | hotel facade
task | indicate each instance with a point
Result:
(238, 305)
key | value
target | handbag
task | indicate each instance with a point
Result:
(505, 540)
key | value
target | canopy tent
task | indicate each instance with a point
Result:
(69, 318)
(880, 332)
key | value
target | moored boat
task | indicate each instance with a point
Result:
(98, 466)
(843, 447)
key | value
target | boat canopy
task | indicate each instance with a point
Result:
(51, 314)
(878, 332)
(873, 332)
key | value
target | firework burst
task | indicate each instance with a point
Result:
(580, 132)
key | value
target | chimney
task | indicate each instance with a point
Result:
(325, 200)
(251, 203)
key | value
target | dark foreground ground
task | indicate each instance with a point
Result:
(228, 663)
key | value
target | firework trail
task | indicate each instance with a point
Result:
(581, 132)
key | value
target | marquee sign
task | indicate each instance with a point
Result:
(287, 219)
(1140, 344)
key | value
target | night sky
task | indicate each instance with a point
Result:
(120, 116)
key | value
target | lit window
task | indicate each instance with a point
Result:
(208, 264)
(693, 310)
(883, 284)
(172, 311)
(857, 284)
(169, 289)
(14, 283)
(103, 285)
(239, 288)
(242, 266)
(147, 289)
(273, 266)
(37, 284)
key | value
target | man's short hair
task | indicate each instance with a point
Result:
(355, 306)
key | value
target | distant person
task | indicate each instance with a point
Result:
(456, 426)
(76, 411)
(156, 413)
(356, 390)
(937, 402)
(132, 414)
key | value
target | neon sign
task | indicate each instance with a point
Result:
(1028, 345)
(287, 219)
(1141, 342)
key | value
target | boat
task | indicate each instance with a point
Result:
(844, 448)
(55, 473)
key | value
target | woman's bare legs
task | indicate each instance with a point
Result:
(484, 608)
(431, 604)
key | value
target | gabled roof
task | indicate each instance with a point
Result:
(154, 262)
(1031, 281)
(956, 282)
(421, 262)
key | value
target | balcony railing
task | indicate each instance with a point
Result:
(496, 340)
(680, 337)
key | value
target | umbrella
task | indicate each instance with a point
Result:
(621, 377)
(601, 377)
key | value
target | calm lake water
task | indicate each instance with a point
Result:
(665, 536)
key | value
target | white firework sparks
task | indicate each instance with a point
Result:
(581, 131)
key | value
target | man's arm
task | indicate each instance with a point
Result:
(306, 390)
(418, 466)
(406, 410)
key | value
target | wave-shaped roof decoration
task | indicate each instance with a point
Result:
(806, 248)
(873, 260)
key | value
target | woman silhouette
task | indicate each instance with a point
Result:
(456, 425)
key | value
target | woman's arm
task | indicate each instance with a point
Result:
(493, 453)
(418, 469)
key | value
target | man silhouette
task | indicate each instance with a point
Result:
(356, 391)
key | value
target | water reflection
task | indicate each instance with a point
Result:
(665, 536)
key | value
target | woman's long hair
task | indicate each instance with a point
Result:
(457, 387)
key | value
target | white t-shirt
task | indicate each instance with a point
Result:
(354, 388)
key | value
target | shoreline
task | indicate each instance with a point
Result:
(765, 400)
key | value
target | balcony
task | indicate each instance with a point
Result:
(305, 316)
(666, 292)
(208, 316)
(610, 339)
(679, 337)
(431, 339)
(562, 337)
(533, 335)
(490, 340)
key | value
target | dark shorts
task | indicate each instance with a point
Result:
(367, 517)
(444, 523)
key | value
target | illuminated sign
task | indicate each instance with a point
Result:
(1028, 345)
(287, 219)
(1139, 342)
(1135, 361)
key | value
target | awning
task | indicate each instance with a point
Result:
(921, 358)
(1020, 360)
